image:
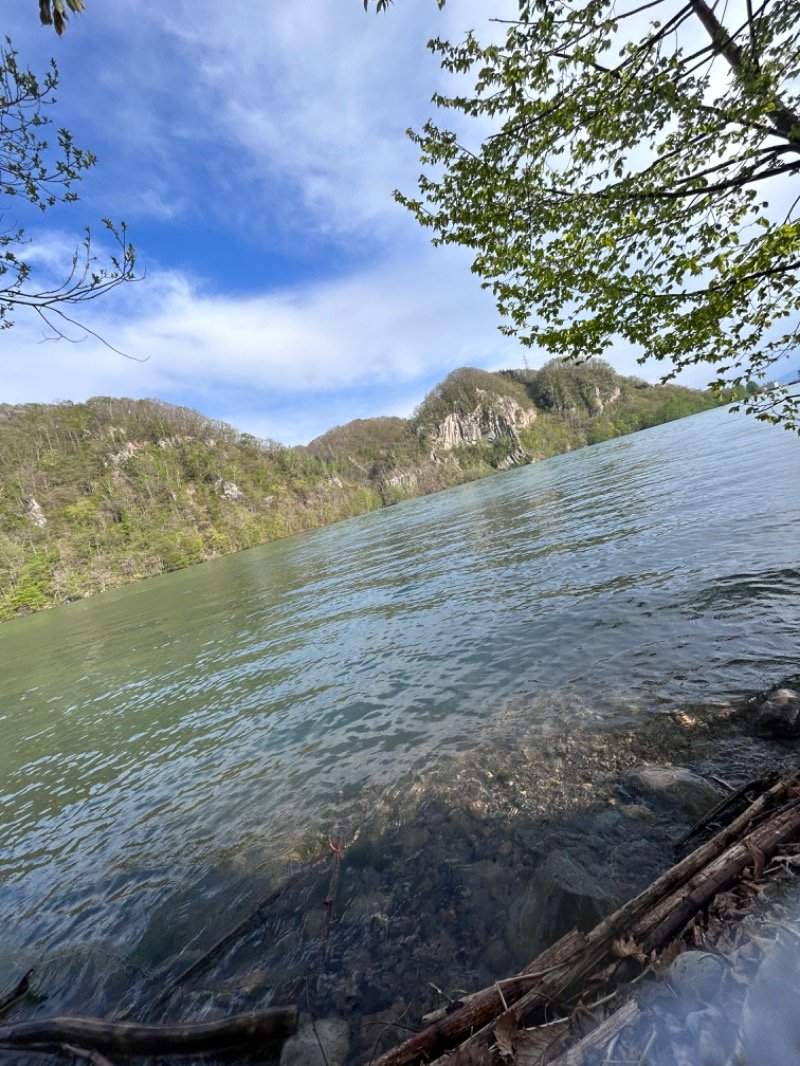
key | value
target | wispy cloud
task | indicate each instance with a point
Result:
(281, 137)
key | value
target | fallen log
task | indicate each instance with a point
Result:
(753, 850)
(250, 1029)
(480, 1009)
(561, 972)
(757, 785)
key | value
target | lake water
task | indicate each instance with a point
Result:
(181, 742)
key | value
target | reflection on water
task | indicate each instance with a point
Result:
(166, 748)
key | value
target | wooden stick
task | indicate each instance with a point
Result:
(482, 1008)
(573, 958)
(759, 783)
(627, 1014)
(330, 899)
(129, 1038)
(675, 911)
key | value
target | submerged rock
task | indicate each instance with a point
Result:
(673, 785)
(324, 1042)
(561, 895)
(779, 714)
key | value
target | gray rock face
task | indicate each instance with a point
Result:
(560, 896)
(231, 491)
(35, 513)
(779, 714)
(305, 1048)
(519, 457)
(500, 418)
(672, 785)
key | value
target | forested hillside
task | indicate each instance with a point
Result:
(97, 494)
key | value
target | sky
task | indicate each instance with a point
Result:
(252, 151)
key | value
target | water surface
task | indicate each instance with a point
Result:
(173, 743)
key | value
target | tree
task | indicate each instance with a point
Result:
(53, 14)
(34, 170)
(621, 190)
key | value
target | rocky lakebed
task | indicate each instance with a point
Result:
(466, 874)
(462, 876)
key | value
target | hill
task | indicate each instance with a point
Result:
(97, 494)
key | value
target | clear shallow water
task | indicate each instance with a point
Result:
(166, 746)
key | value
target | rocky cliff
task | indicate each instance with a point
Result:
(490, 420)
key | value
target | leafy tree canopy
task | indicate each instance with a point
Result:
(622, 191)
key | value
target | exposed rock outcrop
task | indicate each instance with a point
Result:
(612, 397)
(229, 490)
(126, 452)
(519, 457)
(406, 480)
(35, 513)
(492, 419)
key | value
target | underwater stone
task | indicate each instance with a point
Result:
(303, 1049)
(673, 785)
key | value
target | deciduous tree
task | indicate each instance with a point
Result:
(638, 183)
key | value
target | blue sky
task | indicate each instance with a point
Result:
(252, 150)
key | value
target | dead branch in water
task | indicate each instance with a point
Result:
(93, 1057)
(130, 1038)
(255, 918)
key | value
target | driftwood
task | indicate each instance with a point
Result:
(599, 1037)
(757, 785)
(129, 1038)
(642, 925)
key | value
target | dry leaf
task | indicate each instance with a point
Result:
(627, 948)
(603, 976)
(670, 953)
(531, 1044)
(470, 1055)
(506, 1031)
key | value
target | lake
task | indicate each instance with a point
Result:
(169, 751)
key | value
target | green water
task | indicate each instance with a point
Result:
(167, 749)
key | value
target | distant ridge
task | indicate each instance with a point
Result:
(101, 493)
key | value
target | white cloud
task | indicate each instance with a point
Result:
(294, 121)
(308, 105)
(286, 365)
